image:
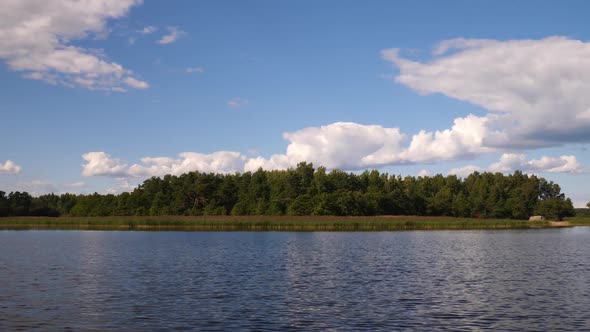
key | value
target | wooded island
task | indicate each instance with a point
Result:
(305, 190)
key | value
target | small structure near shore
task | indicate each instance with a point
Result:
(536, 218)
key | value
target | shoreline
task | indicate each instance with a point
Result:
(276, 223)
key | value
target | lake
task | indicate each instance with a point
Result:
(510, 280)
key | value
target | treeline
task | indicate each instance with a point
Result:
(308, 191)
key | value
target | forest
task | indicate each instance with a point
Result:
(305, 190)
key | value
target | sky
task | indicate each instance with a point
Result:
(99, 95)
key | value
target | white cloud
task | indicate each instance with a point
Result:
(198, 69)
(101, 164)
(173, 34)
(510, 162)
(275, 162)
(217, 162)
(148, 30)
(237, 102)
(36, 36)
(9, 167)
(424, 173)
(344, 145)
(465, 170)
(348, 145)
(132, 82)
(362, 145)
(535, 90)
(463, 140)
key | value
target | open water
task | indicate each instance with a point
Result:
(509, 280)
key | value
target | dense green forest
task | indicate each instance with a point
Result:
(308, 191)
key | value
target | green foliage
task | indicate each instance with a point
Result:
(555, 208)
(20, 203)
(305, 191)
(5, 209)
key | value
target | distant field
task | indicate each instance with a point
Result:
(579, 221)
(270, 223)
(582, 212)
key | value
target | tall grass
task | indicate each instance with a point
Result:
(266, 223)
(579, 221)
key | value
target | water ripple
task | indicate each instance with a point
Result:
(514, 280)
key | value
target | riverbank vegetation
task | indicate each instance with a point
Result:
(265, 223)
(305, 191)
(582, 212)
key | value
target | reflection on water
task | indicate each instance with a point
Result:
(92, 280)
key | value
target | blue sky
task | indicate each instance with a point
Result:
(90, 91)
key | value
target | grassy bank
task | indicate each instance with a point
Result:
(266, 223)
(579, 221)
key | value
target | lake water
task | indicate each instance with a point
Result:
(271, 281)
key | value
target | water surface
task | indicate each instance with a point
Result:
(458, 280)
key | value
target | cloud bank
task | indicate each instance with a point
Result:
(36, 37)
(510, 162)
(102, 164)
(369, 147)
(536, 91)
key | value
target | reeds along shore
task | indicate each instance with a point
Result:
(272, 223)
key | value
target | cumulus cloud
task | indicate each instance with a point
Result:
(9, 167)
(36, 37)
(217, 162)
(424, 173)
(465, 170)
(102, 164)
(535, 90)
(463, 140)
(344, 145)
(174, 33)
(237, 102)
(349, 145)
(332, 157)
(510, 162)
(132, 82)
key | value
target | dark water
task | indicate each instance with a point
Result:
(536, 280)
